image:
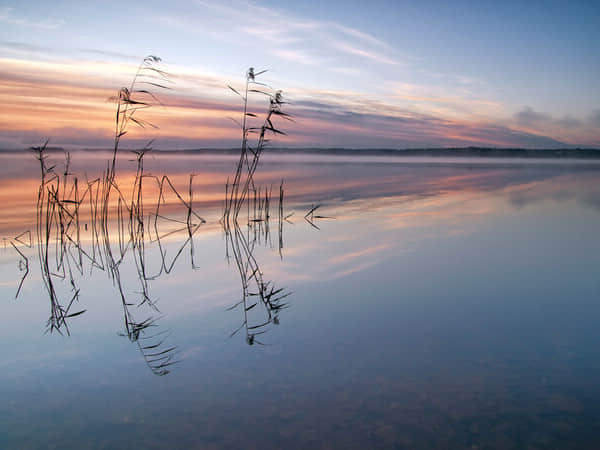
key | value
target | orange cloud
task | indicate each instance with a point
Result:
(67, 101)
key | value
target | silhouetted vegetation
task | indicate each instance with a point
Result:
(62, 254)
(99, 225)
(242, 194)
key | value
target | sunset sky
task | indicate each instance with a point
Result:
(357, 74)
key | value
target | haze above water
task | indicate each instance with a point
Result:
(430, 302)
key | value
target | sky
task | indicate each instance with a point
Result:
(356, 74)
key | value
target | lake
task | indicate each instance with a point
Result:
(353, 302)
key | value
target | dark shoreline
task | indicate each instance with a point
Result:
(471, 152)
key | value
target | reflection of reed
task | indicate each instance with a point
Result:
(21, 240)
(54, 225)
(310, 216)
(64, 257)
(255, 290)
(23, 267)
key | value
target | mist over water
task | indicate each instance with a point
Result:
(429, 303)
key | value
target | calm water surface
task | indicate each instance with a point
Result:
(438, 304)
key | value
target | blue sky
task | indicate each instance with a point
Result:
(357, 74)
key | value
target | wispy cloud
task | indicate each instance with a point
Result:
(297, 56)
(369, 55)
(346, 71)
(23, 47)
(110, 54)
(304, 41)
(9, 16)
(448, 99)
(362, 36)
(68, 100)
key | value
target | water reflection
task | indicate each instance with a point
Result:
(256, 290)
(116, 233)
(101, 225)
(23, 260)
(436, 312)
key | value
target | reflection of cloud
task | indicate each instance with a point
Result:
(341, 264)
(562, 188)
(529, 196)
(427, 199)
(352, 270)
(592, 199)
(357, 254)
(312, 179)
(437, 200)
(192, 353)
(446, 203)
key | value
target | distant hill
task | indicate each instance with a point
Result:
(473, 152)
(482, 152)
